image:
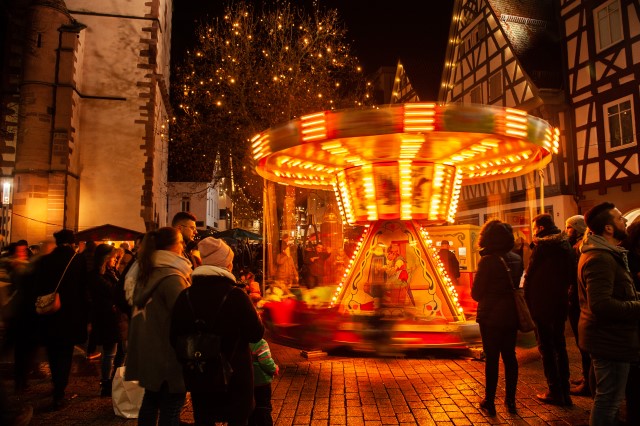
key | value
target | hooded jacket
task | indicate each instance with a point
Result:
(552, 267)
(609, 304)
(236, 321)
(150, 356)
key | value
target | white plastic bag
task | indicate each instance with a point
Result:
(126, 396)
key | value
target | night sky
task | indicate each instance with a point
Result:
(380, 32)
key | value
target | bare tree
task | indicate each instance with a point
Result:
(250, 70)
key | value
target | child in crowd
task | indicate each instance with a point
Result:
(264, 369)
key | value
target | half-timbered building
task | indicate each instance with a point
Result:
(507, 53)
(602, 63)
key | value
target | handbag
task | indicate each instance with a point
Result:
(205, 367)
(126, 395)
(525, 322)
(48, 304)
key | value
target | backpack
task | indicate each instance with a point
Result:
(205, 368)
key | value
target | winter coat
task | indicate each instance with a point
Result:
(609, 303)
(236, 321)
(105, 316)
(150, 356)
(451, 264)
(69, 324)
(552, 268)
(264, 367)
(493, 289)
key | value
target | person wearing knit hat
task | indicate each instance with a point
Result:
(575, 227)
(215, 252)
(226, 309)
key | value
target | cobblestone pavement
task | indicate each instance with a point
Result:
(442, 388)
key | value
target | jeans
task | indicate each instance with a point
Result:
(552, 346)
(496, 342)
(168, 404)
(261, 415)
(108, 354)
(60, 355)
(611, 381)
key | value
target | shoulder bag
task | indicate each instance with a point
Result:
(525, 322)
(50, 303)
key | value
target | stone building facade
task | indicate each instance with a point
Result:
(84, 115)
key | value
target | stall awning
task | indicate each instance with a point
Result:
(107, 233)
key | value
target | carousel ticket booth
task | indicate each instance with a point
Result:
(463, 240)
(389, 180)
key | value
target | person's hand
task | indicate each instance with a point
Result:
(277, 373)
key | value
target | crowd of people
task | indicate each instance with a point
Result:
(129, 302)
(134, 303)
(588, 274)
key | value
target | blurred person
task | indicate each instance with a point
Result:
(228, 312)
(18, 314)
(498, 274)
(87, 255)
(105, 314)
(450, 261)
(632, 244)
(575, 228)
(252, 286)
(609, 310)
(61, 330)
(162, 274)
(550, 272)
(185, 222)
(318, 267)
(285, 267)
(264, 369)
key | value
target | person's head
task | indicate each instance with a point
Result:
(444, 244)
(496, 237)
(632, 242)
(542, 222)
(186, 224)
(606, 220)
(124, 246)
(215, 252)
(319, 248)
(104, 257)
(575, 227)
(166, 238)
(64, 237)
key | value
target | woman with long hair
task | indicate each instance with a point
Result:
(499, 272)
(105, 314)
(162, 274)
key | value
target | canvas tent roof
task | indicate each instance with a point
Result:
(107, 233)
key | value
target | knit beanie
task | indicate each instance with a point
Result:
(64, 236)
(215, 252)
(577, 223)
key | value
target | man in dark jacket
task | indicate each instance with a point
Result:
(228, 312)
(67, 327)
(551, 270)
(609, 310)
(450, 261)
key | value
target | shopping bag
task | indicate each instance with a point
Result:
(126, 396)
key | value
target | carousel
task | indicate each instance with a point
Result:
(394, 172)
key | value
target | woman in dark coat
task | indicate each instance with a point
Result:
(105, 314)
(229, 313)
(499, 271)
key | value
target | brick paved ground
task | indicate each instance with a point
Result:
(431, 388)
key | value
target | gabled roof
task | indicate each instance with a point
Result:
(531, 27)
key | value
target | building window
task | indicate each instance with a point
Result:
(495, 86)
(619, 126)
(185, 205)
(476, 95)
(608, 22)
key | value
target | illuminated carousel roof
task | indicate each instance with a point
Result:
(383, 156)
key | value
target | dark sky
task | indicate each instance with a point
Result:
(380, 32)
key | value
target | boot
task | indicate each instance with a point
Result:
(105, 388)
(488, 407)
(511, 406)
